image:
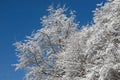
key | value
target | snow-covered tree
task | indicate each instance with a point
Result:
(94, 52)
(38, 53)
(59, 51)
(103, 46)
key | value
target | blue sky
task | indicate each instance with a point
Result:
(19, 18)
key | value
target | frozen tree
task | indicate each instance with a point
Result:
(38, 53)
(94, 52)
(59, 51)
(103, 46)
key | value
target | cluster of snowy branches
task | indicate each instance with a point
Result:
(61, 51)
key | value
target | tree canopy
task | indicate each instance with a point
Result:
(61, 51)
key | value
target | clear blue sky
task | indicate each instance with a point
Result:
(19, 18)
